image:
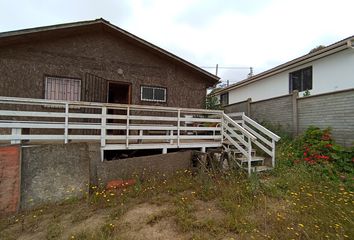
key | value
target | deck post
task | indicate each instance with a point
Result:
(203, 149)
(66, 124)
(249, 155)
(15, 132)
(127, 136)
(103, 126)
(164, 150)
(273, 153)
(178, 126)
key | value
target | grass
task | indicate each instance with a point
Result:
(290, 202)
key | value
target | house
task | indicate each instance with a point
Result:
(95, 61)
(326, 70)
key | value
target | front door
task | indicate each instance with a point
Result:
(119, 93)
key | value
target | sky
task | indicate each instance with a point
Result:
(231, 33)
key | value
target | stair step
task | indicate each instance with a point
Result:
(253, 159)
(259, 168)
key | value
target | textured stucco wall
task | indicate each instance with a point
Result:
(144, 166)
(24, 66)
(53, 173)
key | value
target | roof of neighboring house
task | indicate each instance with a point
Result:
(62, 30)
(331, 49)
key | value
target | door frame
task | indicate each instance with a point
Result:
(120, 83)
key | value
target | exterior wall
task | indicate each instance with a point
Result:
(277, 111)
(274, 86)
(53, 173)
(335, 110)
(295, 114)
(10, 168)
(331, 73)
(144, 166)
(237, 107)
(24, 66)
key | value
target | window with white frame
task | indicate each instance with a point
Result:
(153, 94)
(62, 88)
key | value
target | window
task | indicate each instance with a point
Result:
(300, 80)
(224, 99)
(62, 88)
(153, 94)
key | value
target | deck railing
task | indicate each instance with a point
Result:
(120, 126)
(116, 126)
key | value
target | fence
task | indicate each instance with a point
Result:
(295, 114)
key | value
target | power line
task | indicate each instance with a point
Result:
(229, 67)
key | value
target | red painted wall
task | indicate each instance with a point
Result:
(10, 165)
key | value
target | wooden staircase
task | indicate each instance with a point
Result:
(240, 135)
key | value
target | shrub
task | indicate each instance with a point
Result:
(317, 148)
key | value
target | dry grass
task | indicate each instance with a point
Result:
(288, 203)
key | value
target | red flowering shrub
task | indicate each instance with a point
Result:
(316, 147)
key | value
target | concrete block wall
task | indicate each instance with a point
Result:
(10, 164)
(295, 114)
(237, 107)
(277, 111)
(335, 110)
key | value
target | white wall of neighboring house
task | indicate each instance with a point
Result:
(331, 73)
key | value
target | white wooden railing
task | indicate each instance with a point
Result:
(119, 126)
(240, 138)
(116, 126)
(263, 138)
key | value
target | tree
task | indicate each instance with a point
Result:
(318, 48)
(212, 102)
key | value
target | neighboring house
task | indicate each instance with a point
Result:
(326, 70)
(95, 61)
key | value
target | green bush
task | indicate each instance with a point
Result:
(317, 148)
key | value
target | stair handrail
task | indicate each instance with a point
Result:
(250, 138)
(261, 128)
(239, 127)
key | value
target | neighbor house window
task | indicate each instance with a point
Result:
(154, 94)
(300, 80)
(62, 88)
(224, 99)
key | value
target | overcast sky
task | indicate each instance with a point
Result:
(232, 33)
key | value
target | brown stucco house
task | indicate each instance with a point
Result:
(95, 61)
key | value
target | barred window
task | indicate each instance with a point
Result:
(62, 88)
(153, 94)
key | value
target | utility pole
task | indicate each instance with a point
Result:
(216, 69)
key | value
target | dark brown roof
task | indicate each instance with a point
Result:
(331, 49)
(25, 35)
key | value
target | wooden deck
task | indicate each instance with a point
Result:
(128, 127)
